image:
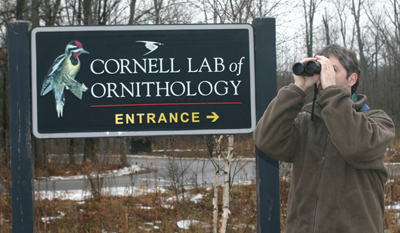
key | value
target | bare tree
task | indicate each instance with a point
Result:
(73, 12)
(227, 185)
(227, 158)
(87, 12)
(51, 11)
(132, 9)
(35, 13)
(71, 151)
(217, 167)
(310, 8)
(356, 8)
(22, 10)
(340, 7)
(386, 59)
(122, 151)
(325, 20)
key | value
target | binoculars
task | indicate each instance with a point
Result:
(307, 69)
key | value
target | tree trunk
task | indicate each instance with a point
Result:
(326, 25)
(5, 113)
(157, 11)
(87, 11)
(209, 141)
(227, 186)
(132, 8)
(309, 13)
(123, 158)
(21, 13)
(217, 170)
(71, 152)
(356, 11)
(39, 152)
(90, 150)
(35, 13)
(215, 196)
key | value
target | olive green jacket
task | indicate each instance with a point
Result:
(338, 176)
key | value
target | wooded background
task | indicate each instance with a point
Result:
(370, 28)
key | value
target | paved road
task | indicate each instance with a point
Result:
(197, 172)
(190, 172)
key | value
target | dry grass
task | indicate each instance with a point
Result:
(142, 213)
(393, 152)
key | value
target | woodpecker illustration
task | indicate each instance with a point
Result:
(62, 75)
(150, 45)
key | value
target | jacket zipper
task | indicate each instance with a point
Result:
(319, 184)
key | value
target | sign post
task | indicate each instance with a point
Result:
(268, 202)
(22, 170)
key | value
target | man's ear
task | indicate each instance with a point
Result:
(352, 79)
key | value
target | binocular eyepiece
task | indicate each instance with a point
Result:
(307, 69)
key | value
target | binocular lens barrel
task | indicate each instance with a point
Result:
(312, 67)
(307, 69)
(298, 68)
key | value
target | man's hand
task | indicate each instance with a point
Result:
(328, 75)
(304, 82)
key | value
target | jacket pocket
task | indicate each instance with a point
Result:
(359, 211)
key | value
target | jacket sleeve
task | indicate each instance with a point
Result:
(361, 138)
(277, 130)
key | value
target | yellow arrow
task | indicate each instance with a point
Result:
(214, 116)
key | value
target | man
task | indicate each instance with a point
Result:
(338, 174)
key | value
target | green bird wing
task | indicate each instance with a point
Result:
(54, 69)
(47, 86)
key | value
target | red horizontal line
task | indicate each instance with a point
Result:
(163, 104)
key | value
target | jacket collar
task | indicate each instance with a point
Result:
(362, 99)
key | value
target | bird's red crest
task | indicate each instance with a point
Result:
(79, 44)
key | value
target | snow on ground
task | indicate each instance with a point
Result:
(47, 219)
(81, 195)
(394, 207)
(194, 198)
(121, 172)
(185, 224)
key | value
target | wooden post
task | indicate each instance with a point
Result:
(22, 170)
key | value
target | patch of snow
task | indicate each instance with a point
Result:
(81, 195)
(185, 224)
(394, 207)
(47, 219)
(120, 172)
(165, 206)
(244, 182)
(197, 198)
(240, 158)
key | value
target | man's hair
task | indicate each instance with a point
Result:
(347, 58)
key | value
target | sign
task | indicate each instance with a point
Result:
(107, 81)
